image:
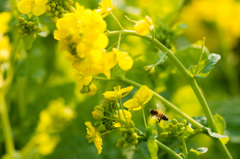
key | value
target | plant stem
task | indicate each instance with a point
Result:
(123, 111)
(184, 146)
(168, 150)
(186, 74)
(7, 132)
(167, 103)
(119, 41)
(115, 18)
(144, 118)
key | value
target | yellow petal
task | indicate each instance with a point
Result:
(123, 59)
(98, 142)
(127, 114)
(131, 104)
(25, 6)
(143, 95)
(38, 9)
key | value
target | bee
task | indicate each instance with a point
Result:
(157, 114)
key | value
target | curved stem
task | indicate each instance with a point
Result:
(123, 111)
(7, 132)
(168, 150)
(184, 146)
(186, 74)
(115, 18)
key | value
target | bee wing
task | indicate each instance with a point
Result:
(154, 117)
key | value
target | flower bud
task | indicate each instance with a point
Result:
(174, 121)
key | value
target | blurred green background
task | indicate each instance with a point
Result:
(43, 74)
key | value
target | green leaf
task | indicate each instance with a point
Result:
(182, 155)
(219, 123)
(151, 132)
(194, 154)
(144, 149)
(153, 148)
(188, 131)
(203, 68)
(224, 139)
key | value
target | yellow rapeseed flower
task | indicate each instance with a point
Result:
(127, 114)
(37, 7)
(5, 48)
(105, 7)
(143, 26)
(124, 61)
(46, 143)
(118, 93)
(5, 17)
(93, 135)
(143, 95)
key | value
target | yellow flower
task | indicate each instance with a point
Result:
(82, 80)
(55, 117)
(5, 48)
(124, 61)
(118, 93)
(5, 17)
(143, 95)
(143, 26)
(46, 143)
(106, 7)
(93, 135)
(37, 7)
(93, 90)
(127, 114)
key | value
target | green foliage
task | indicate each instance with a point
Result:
(203, 68)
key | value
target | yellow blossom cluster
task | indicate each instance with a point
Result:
(143, 26)
(81, 35)
(52, 120)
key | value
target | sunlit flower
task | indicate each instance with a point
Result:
(46, 143)
(143, 95)
(37, 7)
(93, 135)
(143, 26)
(105, 7)
(118, 93)
(127, 114)
(124, 61)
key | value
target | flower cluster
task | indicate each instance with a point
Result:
(36, 7)
(129, 135)
(57, 8)
(28, 27)
(81, 35)
(177, 129)
(52, 120)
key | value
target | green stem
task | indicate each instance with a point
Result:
(184, 146)
(168, 150)
(123, 111)
(115, 18)
(184, 71)
(14, 50)
(119, 41)
(166, 103)
(144, 118)
(7, 132)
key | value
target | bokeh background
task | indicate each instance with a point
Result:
(44, 75)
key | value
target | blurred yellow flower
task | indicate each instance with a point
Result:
(5, 17)
(93, 135)
(46, 143)
(124, 61)
(105, 7)
(55, 117)
(37, 7)
(143, 26)
(127, 114)
(118, 93)
(143, 95)
(5, 48)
